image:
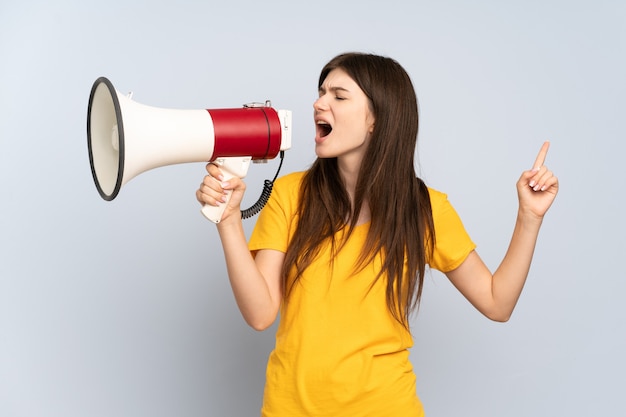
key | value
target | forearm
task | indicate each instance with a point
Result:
(254, 298)
(509, 278)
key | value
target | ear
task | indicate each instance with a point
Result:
(370, 119)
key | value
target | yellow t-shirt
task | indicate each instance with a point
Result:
(339, 352)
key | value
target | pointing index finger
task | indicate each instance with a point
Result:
(541, 157)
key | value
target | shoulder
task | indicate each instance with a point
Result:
(452, 242)
(437, 198)
(442, 208)
(288, 186)
(285, 193)
(275, 224)
(293, 179)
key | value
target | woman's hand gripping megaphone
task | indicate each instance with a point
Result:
(221, 191)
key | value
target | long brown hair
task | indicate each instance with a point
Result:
(401, 226)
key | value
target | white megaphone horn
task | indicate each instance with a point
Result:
(126, 138)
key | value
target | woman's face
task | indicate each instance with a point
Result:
(343, 119)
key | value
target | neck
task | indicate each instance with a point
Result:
(349, 171)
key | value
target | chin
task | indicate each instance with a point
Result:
(320, 153)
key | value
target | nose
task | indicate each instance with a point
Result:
(320, 104)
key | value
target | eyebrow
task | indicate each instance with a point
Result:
(333, 89)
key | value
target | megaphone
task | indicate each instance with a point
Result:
(126, 138)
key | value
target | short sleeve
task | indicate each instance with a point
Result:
(452, 242)
(275, 225)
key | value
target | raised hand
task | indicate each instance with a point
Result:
(537, 188)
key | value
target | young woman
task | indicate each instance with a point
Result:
(341, 250)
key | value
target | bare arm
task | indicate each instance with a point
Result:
(495, 295)
(255, 280)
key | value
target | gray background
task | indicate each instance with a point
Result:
(123, 308)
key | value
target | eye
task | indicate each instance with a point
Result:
(339, 98)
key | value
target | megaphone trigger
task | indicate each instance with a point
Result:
(231, 167)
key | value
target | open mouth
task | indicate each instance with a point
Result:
(323, 128)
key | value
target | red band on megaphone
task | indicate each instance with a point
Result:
(249, 131)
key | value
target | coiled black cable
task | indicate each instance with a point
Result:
(265, 194)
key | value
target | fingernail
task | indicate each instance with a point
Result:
(544, 188)
(225, 184)
(531, 184)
